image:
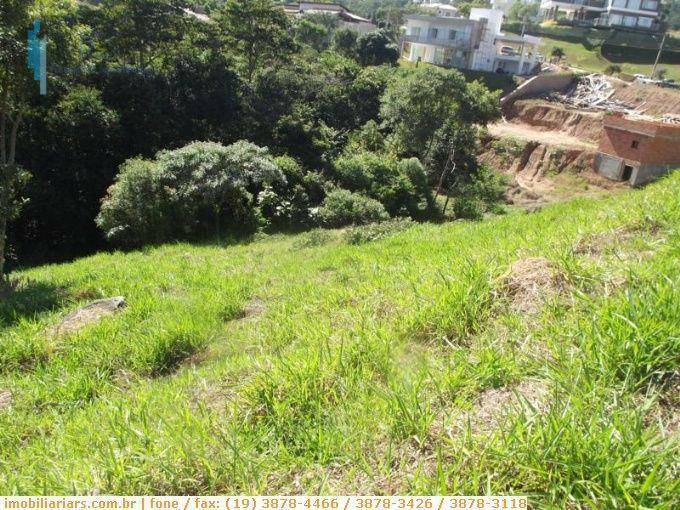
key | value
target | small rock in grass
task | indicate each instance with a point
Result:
(89, 314)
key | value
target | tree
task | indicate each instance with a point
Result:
(418, 104)
(311, 34)
(523, 11)
(376, 48)
(17, 90)
(433, 114)
(257, 32)
(345, 42)
(139, 32)
(72, 146)
(557, 53)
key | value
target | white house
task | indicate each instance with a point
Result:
(632, 14)
(475, 43)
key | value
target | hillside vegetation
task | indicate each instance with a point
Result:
(530, 353)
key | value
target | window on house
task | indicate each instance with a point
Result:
(650, 5)
(635, 144)
(433, 33)
(645, 22)
(452, 35)
(634, 5)
(630, 21)
(415, 31)
(615, 19)
(620, 3)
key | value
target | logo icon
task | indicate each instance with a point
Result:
(37, 56)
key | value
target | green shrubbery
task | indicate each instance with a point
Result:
(342, 207)
(399, 185)
(482, 193)
(200, 190)
(286, 205)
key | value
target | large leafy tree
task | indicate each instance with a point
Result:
(139, 32)
(433, 114)
(257, 32)
(418, 104)
(522, 11)
(376, 48)
(18, 90)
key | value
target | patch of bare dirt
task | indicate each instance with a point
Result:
(89, 314)
(528, 133)
(665, 413)
(543, 170)
(649, 99)
(5, 399)
(530, 282)
(668, 416)
(491, 407)
(254, 308)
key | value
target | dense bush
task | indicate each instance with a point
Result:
(400, 186)
(287, 204)
(135, 210)
(376, 48)
(341, 208)
(481, 192)
(131, 93)
(345, 41)
(200, 190)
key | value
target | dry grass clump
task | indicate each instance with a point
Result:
(254, 308)
(665, 413)
(530, 282)
(5, 399)
(594, 245)
(492, 406)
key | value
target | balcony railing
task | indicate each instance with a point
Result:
(434, 41)
(597, 4)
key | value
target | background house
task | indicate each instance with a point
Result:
(475, 42)
(632, 14)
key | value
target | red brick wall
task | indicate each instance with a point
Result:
(659, 145)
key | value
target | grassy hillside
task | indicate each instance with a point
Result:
(594, 50)
(531, 353)
(580, 55)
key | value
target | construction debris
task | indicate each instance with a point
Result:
(670, 118)
(594, 91)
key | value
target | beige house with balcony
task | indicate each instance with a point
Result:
(475, 43)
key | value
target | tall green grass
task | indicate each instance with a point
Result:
(305, 364)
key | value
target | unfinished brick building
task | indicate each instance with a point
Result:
(636, 150)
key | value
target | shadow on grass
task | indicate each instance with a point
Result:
(27, 298)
